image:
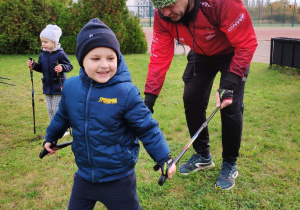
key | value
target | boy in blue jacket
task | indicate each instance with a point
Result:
(108, 116)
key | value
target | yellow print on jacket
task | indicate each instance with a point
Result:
(108, 100)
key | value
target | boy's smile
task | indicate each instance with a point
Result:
(103, 73)
(101, 64)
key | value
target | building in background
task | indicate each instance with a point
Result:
(142, 8)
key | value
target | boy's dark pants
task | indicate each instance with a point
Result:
(196, 96)
(115, 195)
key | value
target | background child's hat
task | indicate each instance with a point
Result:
(52, 32)
(95, 34)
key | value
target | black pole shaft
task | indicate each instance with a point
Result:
(176, 160)
(32, 96)
(7, 83)
(4, 78)
(163, 178)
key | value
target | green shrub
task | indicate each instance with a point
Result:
(113, 13)
(21, 22)
(134, 41)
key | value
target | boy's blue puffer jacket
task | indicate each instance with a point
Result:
(107, 121)
(46, 65)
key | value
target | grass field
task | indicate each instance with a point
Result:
(269, 172)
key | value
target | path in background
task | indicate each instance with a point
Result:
(264, 35)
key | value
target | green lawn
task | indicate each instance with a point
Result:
(269, 172)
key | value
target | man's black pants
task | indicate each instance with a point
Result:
(197, 90)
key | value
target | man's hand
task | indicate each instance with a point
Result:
(224, 98)
(150, 101)
(149, 105)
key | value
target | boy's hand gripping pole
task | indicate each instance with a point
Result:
(54, 147)
(176, 160)
(32, 95)
(164, 169)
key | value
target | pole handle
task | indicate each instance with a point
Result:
(162, 180)
(31, 65)
(57, 147)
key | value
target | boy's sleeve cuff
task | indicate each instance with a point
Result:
(163, 160)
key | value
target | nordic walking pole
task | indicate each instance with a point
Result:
(6, 82)
(32, 95)
(162, 178)
(204, 125)
(58, 75)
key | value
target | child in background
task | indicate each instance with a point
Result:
(53, 63)
(108, 116)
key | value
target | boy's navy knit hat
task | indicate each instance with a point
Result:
(95, 34)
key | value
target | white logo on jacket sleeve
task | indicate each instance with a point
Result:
(211, 33)
(205, 4)
(237, 22)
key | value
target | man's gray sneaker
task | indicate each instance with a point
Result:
(196, 163)
(227, 176)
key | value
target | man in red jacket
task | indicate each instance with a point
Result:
(222, 39)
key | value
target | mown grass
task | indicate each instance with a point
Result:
(269, 155)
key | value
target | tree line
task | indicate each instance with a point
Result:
(21, 22)
(281, 11)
